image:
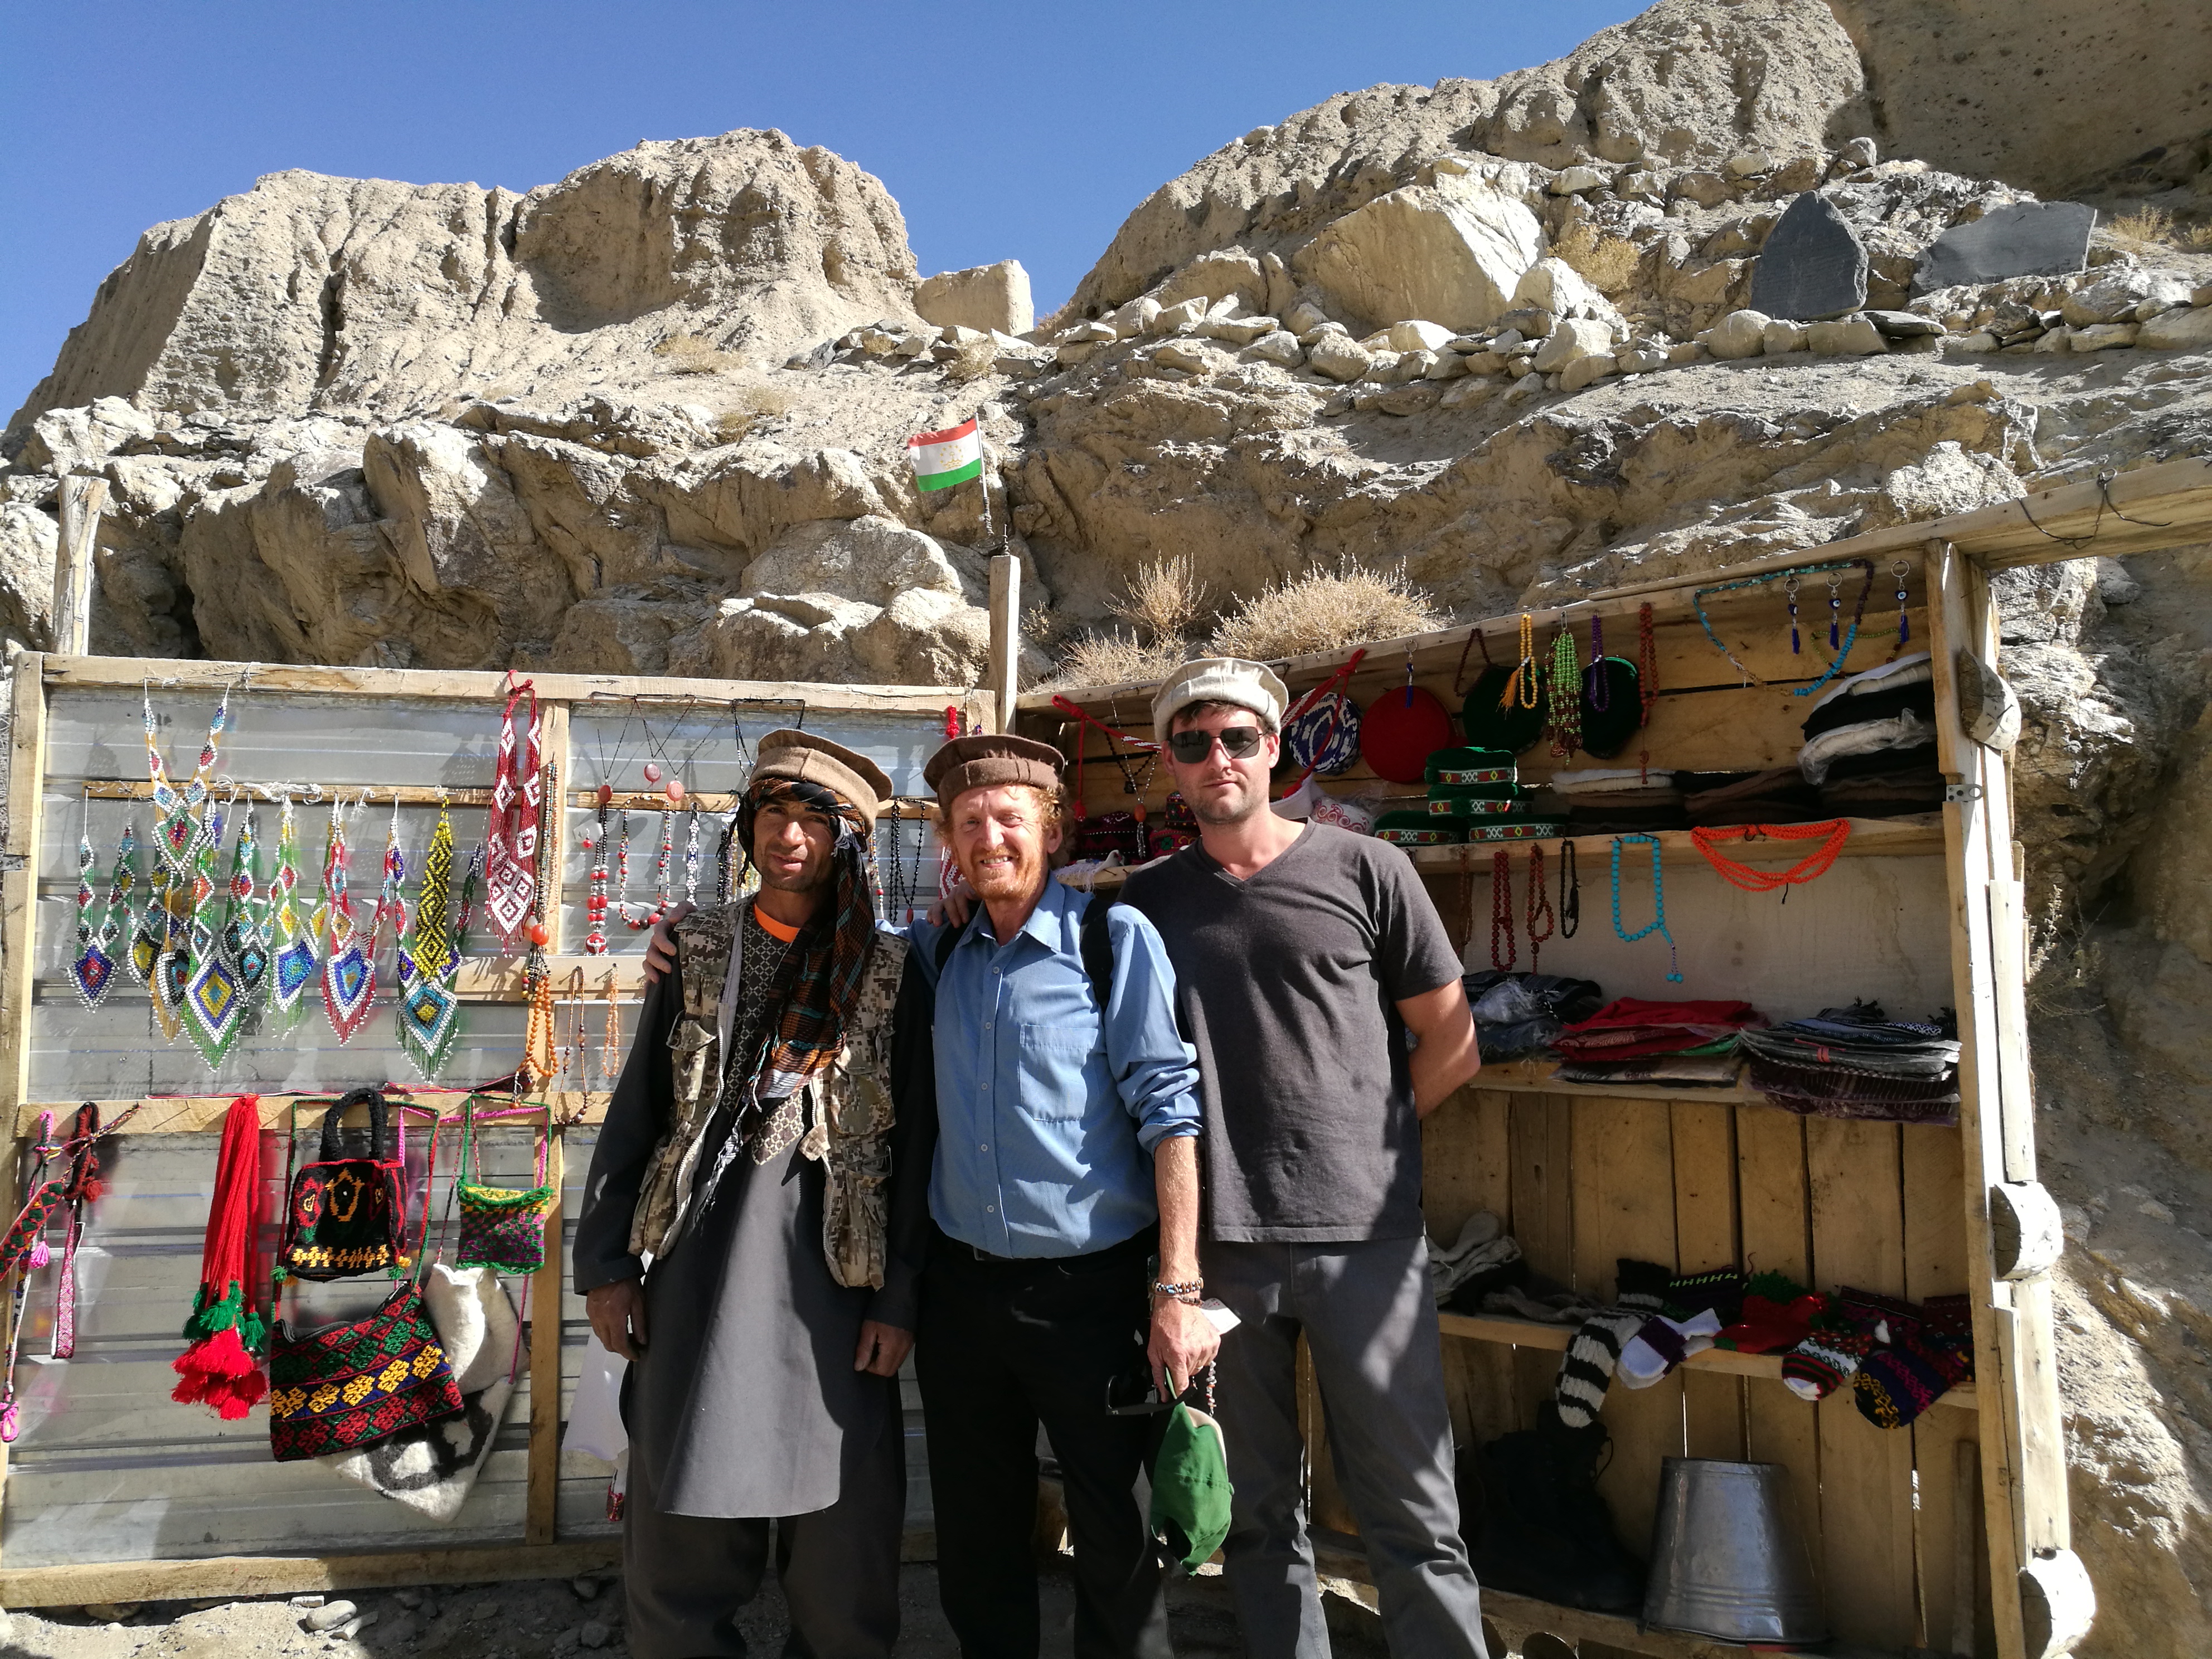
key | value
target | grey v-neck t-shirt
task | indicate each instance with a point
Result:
(1289, 983)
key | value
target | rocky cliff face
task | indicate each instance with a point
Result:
(1498, 336)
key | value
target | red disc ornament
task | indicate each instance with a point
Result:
(674, 791)
(653, 771)
(607, 792)
(1400, 730)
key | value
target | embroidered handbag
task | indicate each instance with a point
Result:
(346, 1215)
(502, 1228)
(349, 1386)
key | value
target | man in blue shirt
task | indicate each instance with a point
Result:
(1066, 1157)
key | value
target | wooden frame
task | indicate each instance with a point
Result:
(1582, 1172)
(539, 1550)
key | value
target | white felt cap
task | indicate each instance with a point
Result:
(1251, 685)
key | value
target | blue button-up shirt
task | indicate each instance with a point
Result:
(1046, 1111)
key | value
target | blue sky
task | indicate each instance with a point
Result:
(1005, 131)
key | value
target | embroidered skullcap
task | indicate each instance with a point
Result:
(806, 758)
(990, 760)
(1325, 735)
(1251, 685)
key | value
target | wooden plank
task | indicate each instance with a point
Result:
(1624, 1207)
(1935, 1265)
(19, 892)
(83, 501)
(1540, 1143)
(195, 1115)
(1707, 1236)
(1866, 1472)
(431, 794)
(1869, 838)
(1775, 1220)
(128, 673)
(287, 1574)
(541, 1504)
(1003, 673)
(1466, 1167)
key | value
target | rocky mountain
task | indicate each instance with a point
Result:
(1731, 277)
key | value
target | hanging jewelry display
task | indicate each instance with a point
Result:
(1832, 835)
(722, 859)
(540, 1058)
(691, 859)
(213, 999)
(638, 916)
(1840, 642)
(164, 940)
(429, 1010)
(1789, 591)
(1570, 891)
(611, 1042)
(1900, 571)
(1658, 922)
(348, 972)
(518, 798)
(246, 921)
(1565, 688)
(94, 970)
(293, 946)
(1539, 908)
(1647, 662)
(595, 899)
(1520, 684)
(1503, 949)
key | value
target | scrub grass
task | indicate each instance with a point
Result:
(1322, 611)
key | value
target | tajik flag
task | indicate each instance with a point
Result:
(942, 459)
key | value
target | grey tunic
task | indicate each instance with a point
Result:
(745, 1402)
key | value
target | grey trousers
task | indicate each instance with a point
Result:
(686, 1577)
(1371, 1324)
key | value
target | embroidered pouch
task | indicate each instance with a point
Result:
(502, 1228)
(348, 1385)
(346, 1215)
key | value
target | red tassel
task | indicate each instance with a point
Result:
(218, 1370)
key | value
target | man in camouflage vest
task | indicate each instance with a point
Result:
(753, 1230)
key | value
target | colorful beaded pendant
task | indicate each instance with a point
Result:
(94, 970)
(293, 947)
(429, 1011)
(348, 972)
(245, 921)
(518, 794)
(215, 1000)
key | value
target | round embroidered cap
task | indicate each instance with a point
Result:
(1251, 685)
(851, 777)
(990, 760)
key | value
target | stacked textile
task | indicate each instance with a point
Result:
(1619, 800)
(1483, 1259)
(1888, 783)
(1887, 712)
(1716, 800)
(1857, 1062)
(1519, 1014)
(1636, 1040)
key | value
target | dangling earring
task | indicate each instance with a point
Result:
(1789, 587)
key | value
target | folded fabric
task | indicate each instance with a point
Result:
(1610, 780)
(1628, 1028)
(1483, 1247)
(1547, 1306)
(1882, 703)
(1517, 1014)
(1917, 668)
(1470, 766)
(1671, 1070)
(1855, 1062)
(1907, 730)
(1880, 764)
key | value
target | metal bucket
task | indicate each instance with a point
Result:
(1725, 1561)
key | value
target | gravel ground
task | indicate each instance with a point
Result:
(534, 1619)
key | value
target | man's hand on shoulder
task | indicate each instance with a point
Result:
(660, 945)
(953, 909)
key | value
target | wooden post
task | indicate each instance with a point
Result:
(541, 1504)
(83, 500)
(1006, 666)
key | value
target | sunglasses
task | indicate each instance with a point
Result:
(1237, 742)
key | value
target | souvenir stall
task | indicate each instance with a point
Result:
(1746, 1189)
(317, 983)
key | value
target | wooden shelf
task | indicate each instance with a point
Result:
(1913, 837)
(1533, 1334)
(1536, 1077)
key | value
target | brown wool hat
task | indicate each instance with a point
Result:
(851, 777)
(985, 761)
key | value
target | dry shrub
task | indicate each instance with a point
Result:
(1165, 599)
(971, 360)
(754, 405)
(687, 354)
(2150, 228)
(1606, 262)
(1322, 611)
(2196, 238)
(1110, 658)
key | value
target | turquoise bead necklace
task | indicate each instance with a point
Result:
(1698, 605)
(1658, 922)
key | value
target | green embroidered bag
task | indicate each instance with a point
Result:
(502, 1228)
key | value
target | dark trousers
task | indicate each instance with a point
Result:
(1002, 1347)
(686, 1577)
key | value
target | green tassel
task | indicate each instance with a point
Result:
(220, 1314)
(1779, 1288)
(253, 1333)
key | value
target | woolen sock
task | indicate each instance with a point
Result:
(1587, 1370)
(1721, 1290)
(1640, 1284)
(1890, 1318)
(1894, 1385)
(1827, 1358)
(1662, 1344)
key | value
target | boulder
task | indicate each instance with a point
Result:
(2188, 329)
(1418, 337)
(2120, 297)
(1853, 337)
(868, 560)
(1782, 336)
(64, 441)
(1410, 399)
(1188, 313)
(1576, 181)
(1452, 252)
(1237, 331)
(1641, 360)
(1338, 357)
(1555, 286)
(1583, 371)
(1135, 318)
(1905, 324)
(1739, 334)
(1217, 277)
(1857, 155)
(1813, 264)
(1573, 341)
(2104, 337)
(1192, 356)
(985, 298)
(1081, 332)
(1279, 347)
(1746, 164)
(2027, 239)
(1705, 189)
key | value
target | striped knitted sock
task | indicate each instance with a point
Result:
(1587, 1372)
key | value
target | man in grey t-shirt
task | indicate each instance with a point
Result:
(1305, 955)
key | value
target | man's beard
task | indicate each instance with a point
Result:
(1009, 880)
(1218, 810)
(812, 877)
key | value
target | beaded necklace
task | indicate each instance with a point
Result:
(1570, 891)
(294, 946)
(595, 901)
(1565, 690)
(611, 1043)
(348, 972)
(1840, 643)
(215, 999)
(94, 970)
(1814, 863)
(429, 1010)
(246, 921)
(1521, 684)
(1658, 922)
(1647, 662)
(1503, 949)
(691, 859)
(1597, 684)
(1540, 906)
(644, 919)
(511, 833)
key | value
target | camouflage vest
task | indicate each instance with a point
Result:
(846, 1107)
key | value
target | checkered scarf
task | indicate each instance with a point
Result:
(820, 978)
